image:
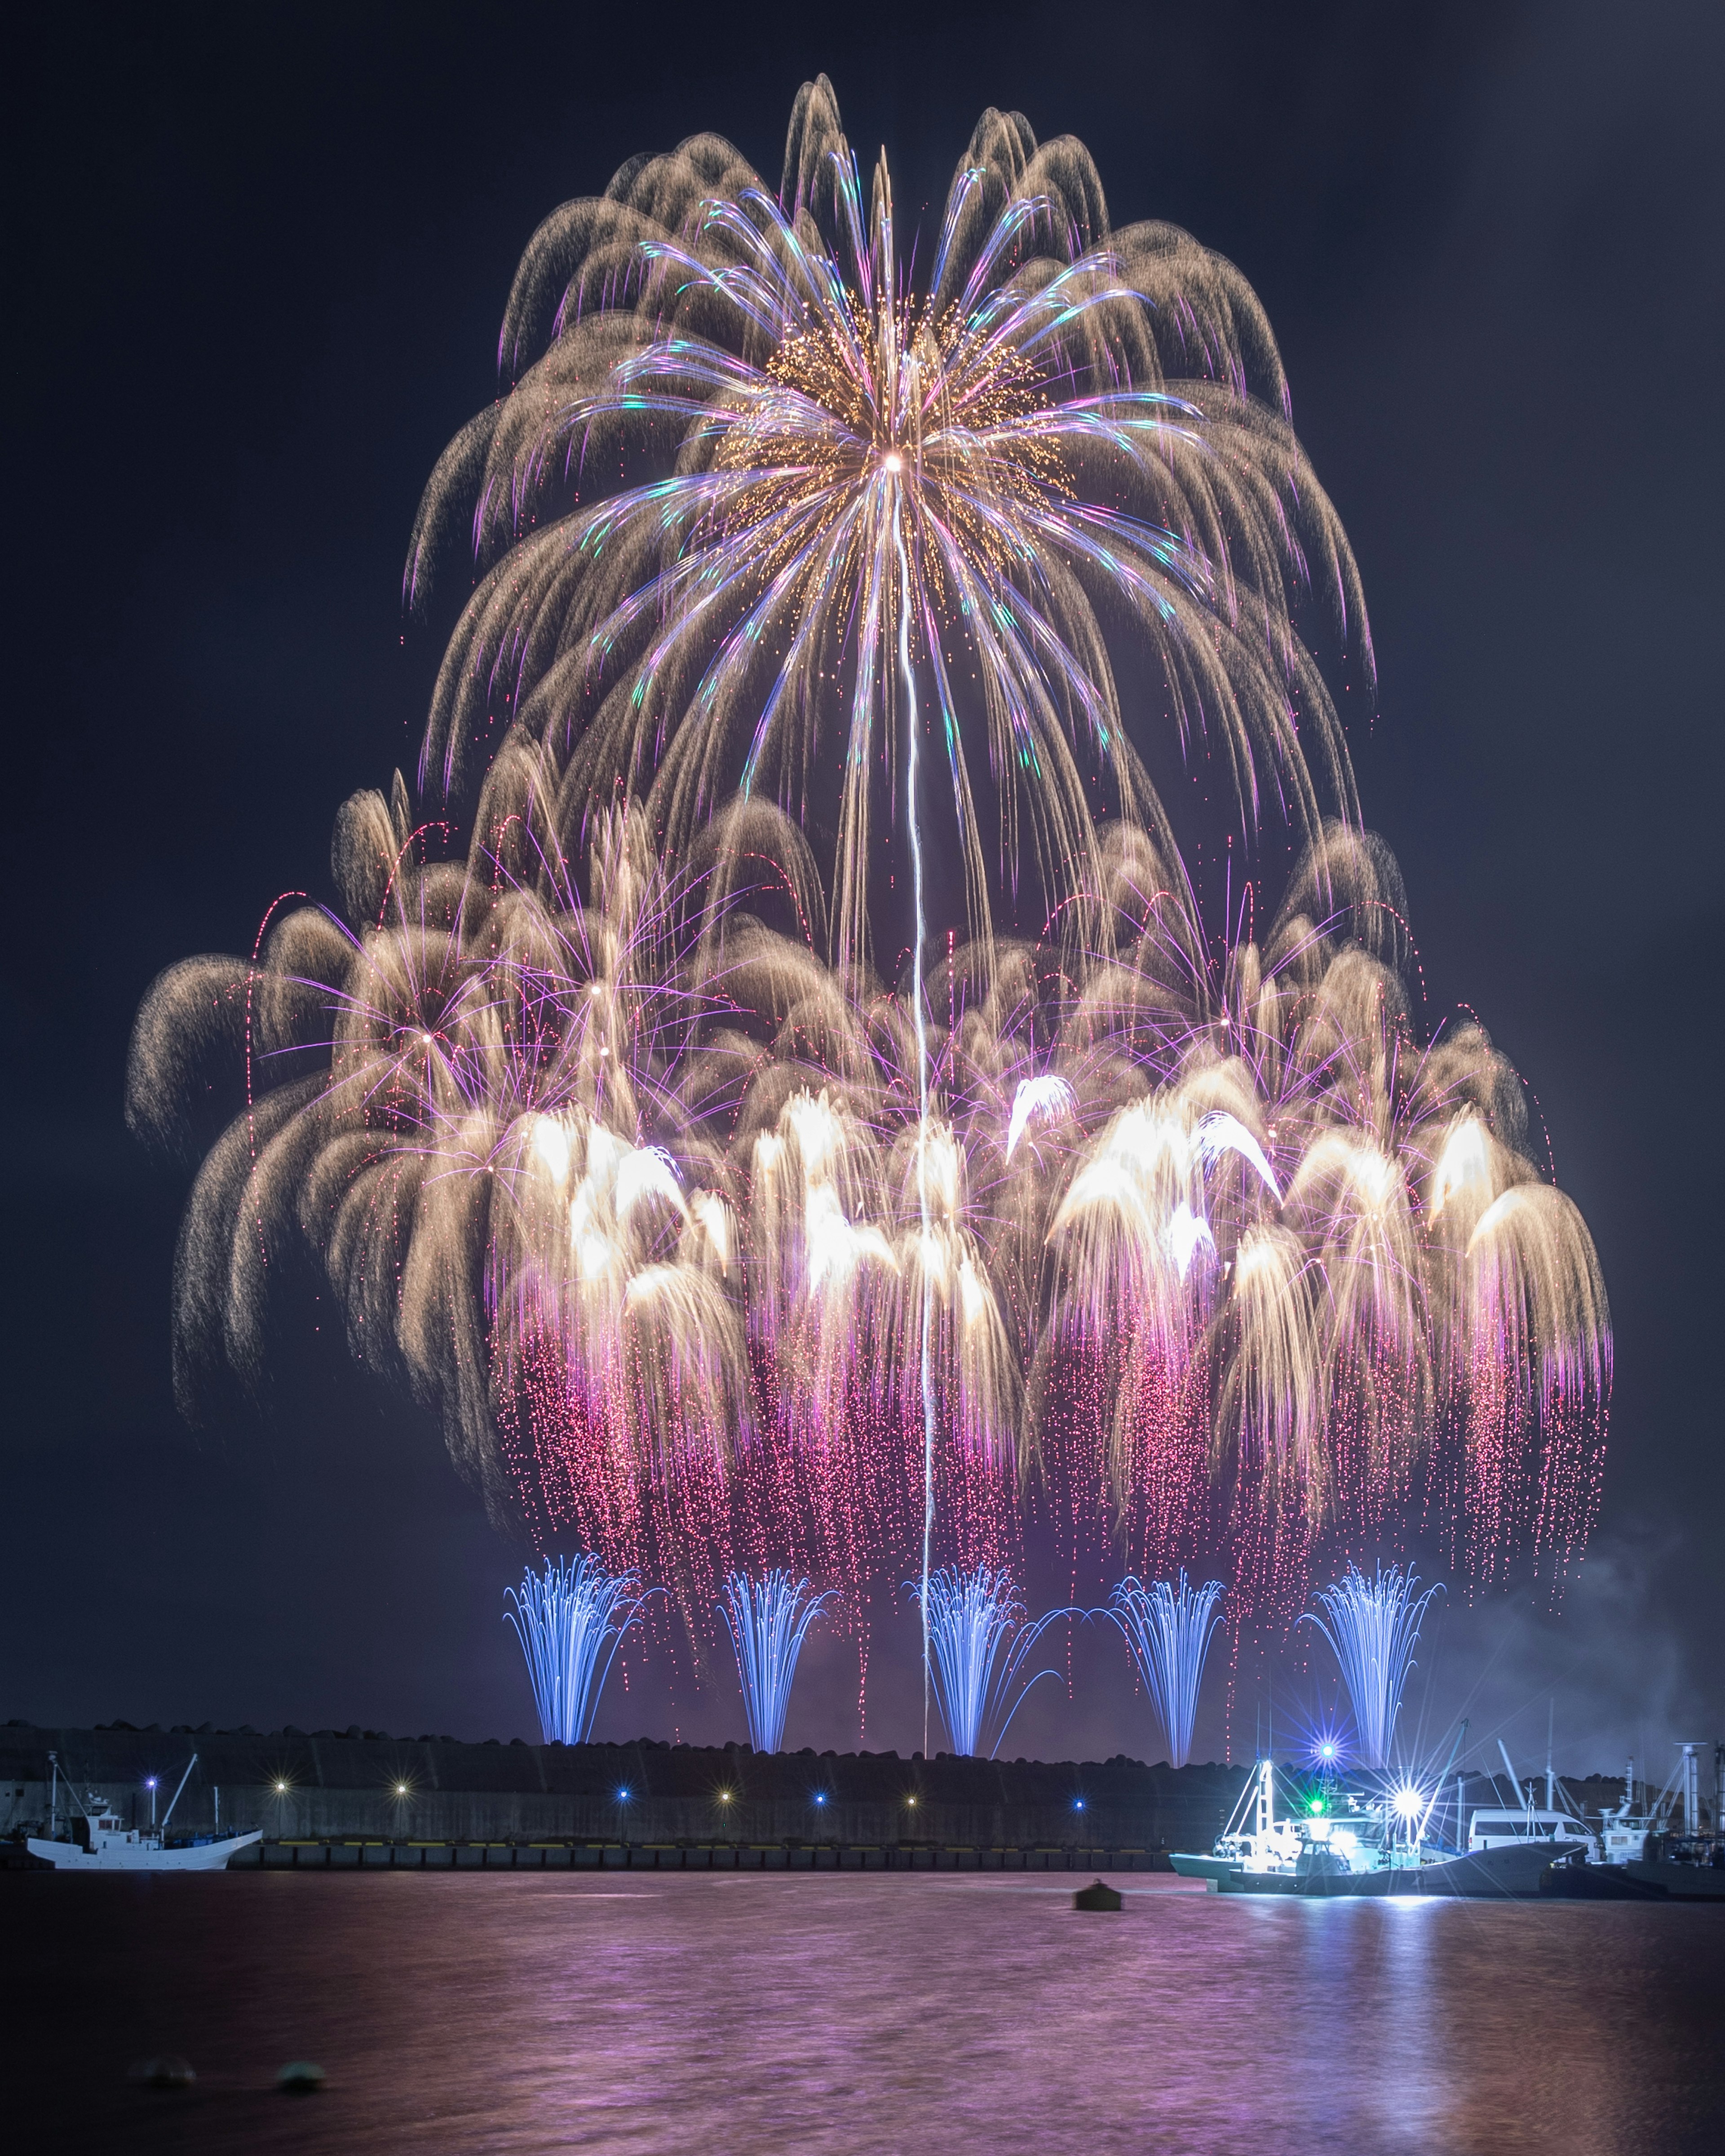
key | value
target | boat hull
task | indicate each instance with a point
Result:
(1485, 1874)
(141, 1856)
(1202, 1867)
(1638, 1881)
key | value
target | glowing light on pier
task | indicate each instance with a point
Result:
(1372, 1625)
(768, 1618)
(979, 1642)
(567, 1619)
(1168, 1626)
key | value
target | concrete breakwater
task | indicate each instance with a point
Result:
(433, 1801)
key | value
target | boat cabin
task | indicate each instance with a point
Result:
(1510, 1829)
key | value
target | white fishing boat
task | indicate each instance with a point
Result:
(1373, 1841)
(1268, 1846)
(99, 1840)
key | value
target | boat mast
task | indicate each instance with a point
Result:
(184, 1779)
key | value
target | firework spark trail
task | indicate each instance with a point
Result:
(767, 1620)
(980, 1644)
(1372, 1625)
(1168, 1628)
(925, 1316)
(566, 1619)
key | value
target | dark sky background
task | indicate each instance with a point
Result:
(257, 260)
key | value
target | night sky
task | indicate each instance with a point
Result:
(257, 261)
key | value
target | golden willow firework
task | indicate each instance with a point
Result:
(753, 501)
(640, 1193)
(712, 1246)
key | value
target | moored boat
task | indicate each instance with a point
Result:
(1343, 1841)
(99, 1840)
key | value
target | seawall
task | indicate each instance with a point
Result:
(361, 1789)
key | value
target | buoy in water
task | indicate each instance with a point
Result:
(170, 2070)
(1096, 1895)
(301, 2078)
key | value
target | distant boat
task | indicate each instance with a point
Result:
(1640, 1857)
(107, 1844)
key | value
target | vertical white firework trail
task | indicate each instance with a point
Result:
(911, 729)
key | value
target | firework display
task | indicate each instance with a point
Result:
(566, 1619)
(768, 1618)
(732, 1218)
(1168, 1627)
(1372, 1625)
(978, 1640)
(757, 509)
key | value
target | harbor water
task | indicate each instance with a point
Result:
(848, 2012)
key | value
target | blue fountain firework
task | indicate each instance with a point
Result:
(768, 1618)
(973, 1623)
(1168, 1627)
(566, 1619)
(1373, 1625)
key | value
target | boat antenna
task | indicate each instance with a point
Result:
(184, 1779)
(53, 1801)
(1551, 1714)
(1515, 1779)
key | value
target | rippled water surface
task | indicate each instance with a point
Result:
(691, 2012)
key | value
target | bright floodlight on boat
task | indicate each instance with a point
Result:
(1408, 1802)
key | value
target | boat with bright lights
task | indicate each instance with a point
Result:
(97, 1839)
(1345, 1840)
